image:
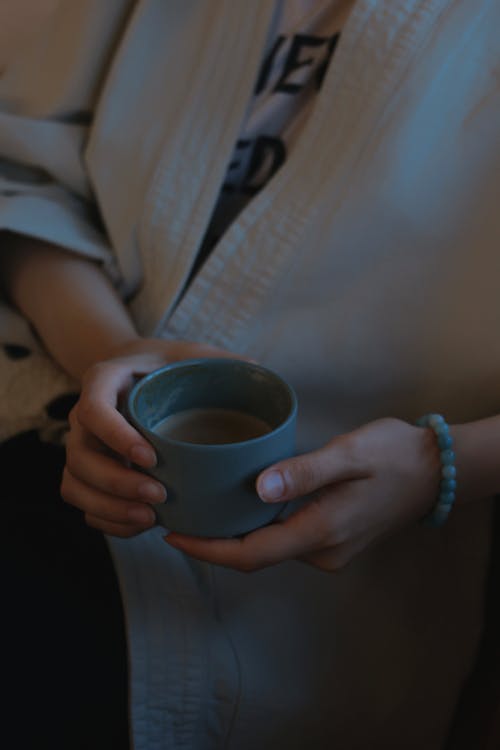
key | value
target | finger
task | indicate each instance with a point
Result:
(104, 506)
(286, 540)
(302, 475)
(124, 531)
(334, 559)
(96, 411)
(86, 461)
(105, 382)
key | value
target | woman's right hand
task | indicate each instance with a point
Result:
(101, 445)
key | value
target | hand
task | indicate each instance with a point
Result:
(364, 485)
(101, 444)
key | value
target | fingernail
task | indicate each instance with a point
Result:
(144, 516)
(143, 456)
(152, 491)
(271, 486)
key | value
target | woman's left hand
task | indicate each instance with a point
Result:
(363, 486)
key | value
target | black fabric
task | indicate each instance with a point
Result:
(64, 668)
(60, 407)
(15, 351)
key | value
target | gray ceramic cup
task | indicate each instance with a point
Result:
(211, 488)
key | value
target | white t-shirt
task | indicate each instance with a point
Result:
(301, 41)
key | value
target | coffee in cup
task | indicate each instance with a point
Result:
(215, 424)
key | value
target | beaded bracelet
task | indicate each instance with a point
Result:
(448, 484)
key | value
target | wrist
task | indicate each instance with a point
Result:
(126, 345)
(477, 449)
(148, 352)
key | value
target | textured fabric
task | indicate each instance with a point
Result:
(47, 95)
(30, 385)
(291, 657)
(366, 272)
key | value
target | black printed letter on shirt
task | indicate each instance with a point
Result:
(293, 62)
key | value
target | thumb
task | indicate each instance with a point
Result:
(295, 477)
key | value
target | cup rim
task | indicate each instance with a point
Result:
(132, 395)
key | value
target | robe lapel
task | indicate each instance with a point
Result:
(197, 147)
(166, 121)
(378, 44)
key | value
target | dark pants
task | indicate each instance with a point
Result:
(64, 668)
(477, 716)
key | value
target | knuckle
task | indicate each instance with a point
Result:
(116, 440)
(335, 534)
(115, 487)
(326, 531)
(73, 416)
(93, 372)
(87, 409)
(351, 444)
(301, 476)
